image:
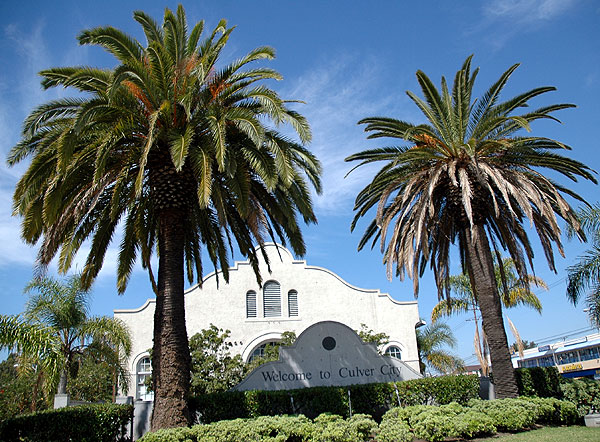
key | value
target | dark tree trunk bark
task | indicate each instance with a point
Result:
(483, 282)
(171, 356)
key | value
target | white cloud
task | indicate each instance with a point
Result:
(338, 94)
(528, 10)
(503, 20)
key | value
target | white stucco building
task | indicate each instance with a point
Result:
(294, 296)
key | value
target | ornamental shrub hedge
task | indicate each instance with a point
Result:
(84, 423)
(584, 393)
(547, 382)
(539, 381)
(401, 424)
(372, 399)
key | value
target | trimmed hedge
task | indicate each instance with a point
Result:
(85, 423)
(400, 424)
(372, 399)
(539, 381)
(584, 393)
(547, 382)
(479, 418)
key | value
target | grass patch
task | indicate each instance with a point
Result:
(552, 434)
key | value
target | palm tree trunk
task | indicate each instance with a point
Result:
(171, 360)
(62, 382)
(483, 280)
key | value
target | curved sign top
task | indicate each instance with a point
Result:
(327, 353)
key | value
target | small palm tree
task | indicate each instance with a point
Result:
(467, 177)
(584, 276)
(56, 327)
(431, 340)
(513, 292)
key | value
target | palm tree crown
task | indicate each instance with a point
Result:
(431, 340)
(467, 177)
(513, 292)
(180, 149)
(56, 327)
(584, 276)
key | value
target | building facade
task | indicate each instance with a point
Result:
(294, 295)
(575, 358)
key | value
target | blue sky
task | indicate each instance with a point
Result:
(346, 60)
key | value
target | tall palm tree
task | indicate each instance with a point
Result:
(56, 327)
(513, 292)
(467, 177)
(180, 149)
(584, 276)
(431, 340)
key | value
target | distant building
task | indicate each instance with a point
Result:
(293, 297)
(575, 358)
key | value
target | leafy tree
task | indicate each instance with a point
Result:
(431, 340)
(526, 345)
(469, 177)
(213, 367)
(91, 380)
(16, 385)
(56, 329)
(513, 292)
(271, 351)
(182, 150)
(368, 335)
(584, 276)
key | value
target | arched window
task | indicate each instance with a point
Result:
(394, 351)
(272, 299)
(144, 370)
(251, 304)
(293, 303)
(259, 352)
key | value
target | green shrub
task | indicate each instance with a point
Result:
(85, 423)
(584, 393)
(554, 411)
(394, 430)
(539, 381)
(508, 414)
(372, 399)
(436, 423)
(333, 428)
(171, 435)
(325, 428)
(402, 424)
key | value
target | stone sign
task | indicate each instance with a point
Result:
(327, 354)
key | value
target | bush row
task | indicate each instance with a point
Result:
(584, 393)
(547, 382)
(85, 423)
(373, 399)
(539, 381)
(478, 418)
(401, 424)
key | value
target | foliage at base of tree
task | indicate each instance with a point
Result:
(85, 423)
(16, 390)
(401, 424)
(92, 382)
(213, 367)
(539, 381)
(372, 399)
(584, 393)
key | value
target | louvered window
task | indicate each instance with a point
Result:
(293, 302)
(251, 304)
(272, 299)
